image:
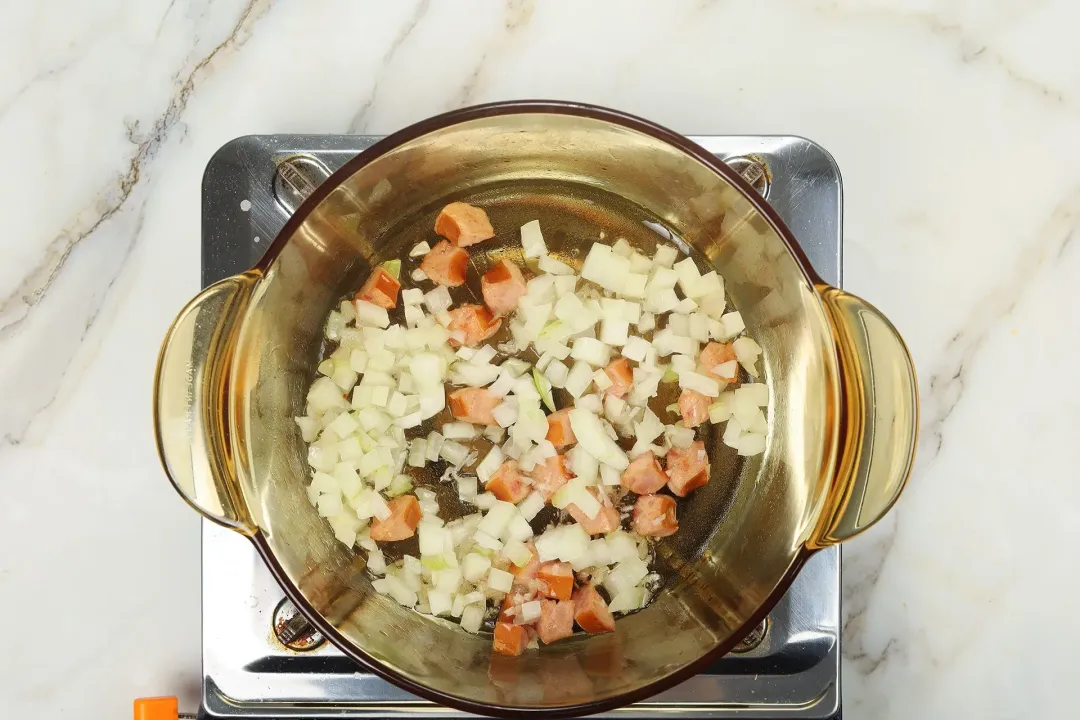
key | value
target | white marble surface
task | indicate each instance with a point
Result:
(956, 124)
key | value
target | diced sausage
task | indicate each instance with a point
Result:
(510, 639)
(715, 354)
(555, 580)
(591, 612)
(556, 620)
(474, 405)
(694, 407)
(644, 475)
(445, 264)
(463, 224)
(550, 476)
(688, 468)
(605, 521)
(507, 483)
(474, 322)
(503, 285)
(404, 517)
(381, 288)
(654, 516)
(559, 433)
(621, 376)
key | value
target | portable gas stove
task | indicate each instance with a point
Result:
(259, 660)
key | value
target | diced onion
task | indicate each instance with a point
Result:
(591, 435)
(532, 240)
(472, 618)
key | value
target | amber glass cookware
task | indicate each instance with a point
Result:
(236, 364)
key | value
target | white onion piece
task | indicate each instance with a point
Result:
(453, 452)
(472, 375)
(720, 410)
(489, 464)
(628, 600)
(557, 373)
(732, 431)
(665, 255)
(532, 240)
(553, 266)
(474, 567)
(593, 437)
(701, 383)
(439, 602)
(472, 618)
(505, 413)
(679, 436)
(396, 589)
(460, 431)
(370, 314)
(467, 488)
(758, 392)
(517, 552)
(438, 300)
(605, 268)
(579, 378)
(591, 350)
(500, 580)
(565, 542)
(729, 369)
(497, 518)
(531, 505)
(635, 348)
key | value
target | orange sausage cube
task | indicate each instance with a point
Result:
(474, 405)
(510, 639)
(605, 521)
(591, 612)
(474, 322)
(694, 407)
(463, 224)
(507, 483)
(559, 432)
(402, 522)
(445, 264)
(621, 376)
(644, 475)
(381, 288)
(688, 468)
(503, 285)
(556, 620)
(550, 476)
(555, 580)
(654, 516)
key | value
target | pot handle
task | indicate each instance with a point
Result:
(191, 391)
(879, 418)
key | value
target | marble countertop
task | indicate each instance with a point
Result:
(956, 126)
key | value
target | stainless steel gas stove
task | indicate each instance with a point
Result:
(788, 668)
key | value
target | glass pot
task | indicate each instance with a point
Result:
(236, 364)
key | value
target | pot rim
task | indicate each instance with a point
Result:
(518, 107)
(540, 107)
(354, 653)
